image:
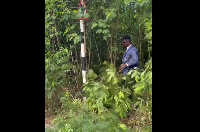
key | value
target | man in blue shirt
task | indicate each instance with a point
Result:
(130, 57)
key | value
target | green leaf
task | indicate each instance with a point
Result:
(86, 15)
(114, 80)
(139, 88)
(106, 31)
(77, 39)
(91, 74)
(124, 77)
(74, 11)
(53, 84)
(121, 95)
(122, 126)
(127, 1)
(135, 16)
(149, 48)
(104, 26)
(99, 31)
(101, 24)
(94, 25)
(73, 26)
(116, 99)
(105, 37)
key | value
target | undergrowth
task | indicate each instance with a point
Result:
(110, 98)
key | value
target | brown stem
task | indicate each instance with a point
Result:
(140, 45)
(90, 50)
(56, 32)
(111, 58)
(116, 34)
(115, 47)
(76, 73)
(84, 41)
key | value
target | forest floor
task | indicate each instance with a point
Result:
(48, 120)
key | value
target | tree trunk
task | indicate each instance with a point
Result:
(89, 61)
(140, 43)
(116, 36)
(112, 54)
(58, 41)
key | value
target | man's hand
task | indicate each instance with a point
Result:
(122, 67)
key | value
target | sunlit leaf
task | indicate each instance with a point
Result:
(121, 95)
(94, 24)
(99, 31)
(122, 126)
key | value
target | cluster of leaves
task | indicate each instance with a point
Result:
(142, 79)
(77, 118)
(60, 39)
(107, 92)
(102, 25)
(108, 101)
(56, 67)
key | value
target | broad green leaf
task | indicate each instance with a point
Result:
(94, 24)
(106, 31)
(101, 24)
(135, 16)
(105, 25)
(139, 89)
(53, 84)
(116, 99)
(73, 26)
(122, 126)
(75, 11)
(105, 37)
(127, 1)
(99, 31)
(124, 77)
(114, 80)
(121, 95)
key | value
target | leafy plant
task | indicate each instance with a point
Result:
(143, 79)
(107, 93)
(56, 66)
(78, 118)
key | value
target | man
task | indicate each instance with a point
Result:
(130, 57)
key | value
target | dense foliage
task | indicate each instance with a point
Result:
(113, 102)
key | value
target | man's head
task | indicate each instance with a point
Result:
(126, 41)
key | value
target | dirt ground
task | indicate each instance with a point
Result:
(48, 120)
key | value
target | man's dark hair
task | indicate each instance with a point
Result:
(127, 38)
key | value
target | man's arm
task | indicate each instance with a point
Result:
(134, 58)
